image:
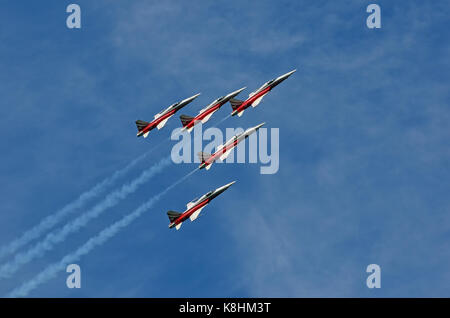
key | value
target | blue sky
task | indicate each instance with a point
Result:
(364, 145)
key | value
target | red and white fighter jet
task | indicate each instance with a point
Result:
(205, 114)
(162, 117)
(194, 207)
(224, 150)
(255, 97)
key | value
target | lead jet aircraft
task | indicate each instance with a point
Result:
(162, 117)
(224, 150)
(194, 207)
(255, 97)
(205, 114)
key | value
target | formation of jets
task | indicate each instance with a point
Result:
(194, 207)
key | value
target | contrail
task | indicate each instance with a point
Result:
(53, 219)
(223, 119)
(57, 236)
(87, 247)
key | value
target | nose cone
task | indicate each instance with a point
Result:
(290, 73)
(259, 126)
(233, 94)
(251, 130)
(222, 189)
(229, 184)
(190, 99)
(285, 76)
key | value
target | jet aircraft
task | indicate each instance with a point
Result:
(255, 97)
(194, 207)
(224, 150)
(162, 117)
(205, 114)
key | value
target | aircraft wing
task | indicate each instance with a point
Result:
(196, 214)
(257, 101)
(225, 154)
(219, 147)
(207, 117)
(162, 123)
(203, 110)
(190, 205)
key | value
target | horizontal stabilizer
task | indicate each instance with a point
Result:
(235, 103)
(185, 119)
(178, 226)
(173, 215)
(141, 124)
(203, 156)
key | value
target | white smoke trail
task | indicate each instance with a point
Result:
(57, 236)
(222, 120)
(51, 220)
(87, 247)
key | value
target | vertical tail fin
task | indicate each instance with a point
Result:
(185, 119)
(235, 103)
(173, 215)
(140, 124)
(203, 156)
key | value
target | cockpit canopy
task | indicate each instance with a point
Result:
(165, 110)
(209, 193)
